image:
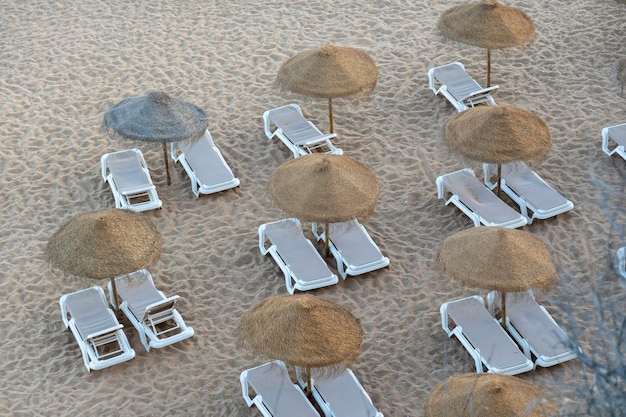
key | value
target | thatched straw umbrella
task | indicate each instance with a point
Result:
(497, 258)
(329, 72)
(302, 330)
(105, 244)
(498, 135)
(484, 394)
(487, 24)
(156, 117)
(324, 188)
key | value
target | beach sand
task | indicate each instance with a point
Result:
(63, 64)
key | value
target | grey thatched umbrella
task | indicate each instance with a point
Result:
(487, 24)
(324, 188)
(498, 135)
(105, 244)
(497, 258)
(302, 330)
(485, 394)
(329, 72)
(156, 117)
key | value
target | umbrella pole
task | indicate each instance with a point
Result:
(114, 288)
(499, 179)
(503, 312)
(307, 375)
(167, 166)
(488, 67)
(330, 115)
(326, 243)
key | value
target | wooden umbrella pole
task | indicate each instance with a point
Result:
(488, 68)
(167, 166)
(326, 243)
(330, 115)
(503, 312)
(114, 288)
(308, 391)
(499, 179)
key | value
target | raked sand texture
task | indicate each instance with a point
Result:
(64, 64)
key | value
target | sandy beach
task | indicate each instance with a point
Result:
(64, 64)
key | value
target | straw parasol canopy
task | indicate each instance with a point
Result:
(487, 24)
(329, 72)
(324, 188)
(105, 244)
(498, 134)
(156, 117)
(485, 394)
(497, 258)
(302, 330)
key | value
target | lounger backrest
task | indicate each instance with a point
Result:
(345, 395)
(294, 125)
(89, 312)
(457, 81)
(280, 396)
(206, 161)
(354, 243)
(477, 197)
(485, 333)
(528, 184)
(127, 170)
(138, 291)
(296, 250)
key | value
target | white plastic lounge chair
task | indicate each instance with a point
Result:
(299, 134)
(296, 256)
(206, 167)
(621, 261)
(129, 179)
(353, 248)
(95, 328)
(477, 201)
(341, 395)
(614, 140)
(534, 329)
(535, 198)
(274, 393)
(456, 85)
(154, 316)
(483, 337)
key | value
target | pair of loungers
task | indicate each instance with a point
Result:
(303, 267)
(99, 334)
(275, 395)
(536, 198)
(543, 342)
(128, 176)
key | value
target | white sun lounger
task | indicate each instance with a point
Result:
(129, 179)
(206, 167)
(296, 256)
(456, 85)
(154, 316)
(300, 135)
(483, 337)
(341, 395)
(95, 328)
(534, 329)
(614, 140)
(477, 201)
(621, 261)
(274, 393)
(535, 198)
(353, 248)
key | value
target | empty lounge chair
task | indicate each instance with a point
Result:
(535, 198)
(154, 316)
(614, 140)
(301, 263)
(456, 85)
(204, 164)
(476, 200)
(483, 337)
(129, 179)
(273, 393)
(96, 329)
(299, 134)
(353, 248)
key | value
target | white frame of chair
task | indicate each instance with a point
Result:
(124, 198)
(607, 141)
(90, 343)
(197, 185)
(319, 143)
(471, 99)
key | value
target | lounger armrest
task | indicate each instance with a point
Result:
(321, 139)
(482, 91)
(105, 331)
